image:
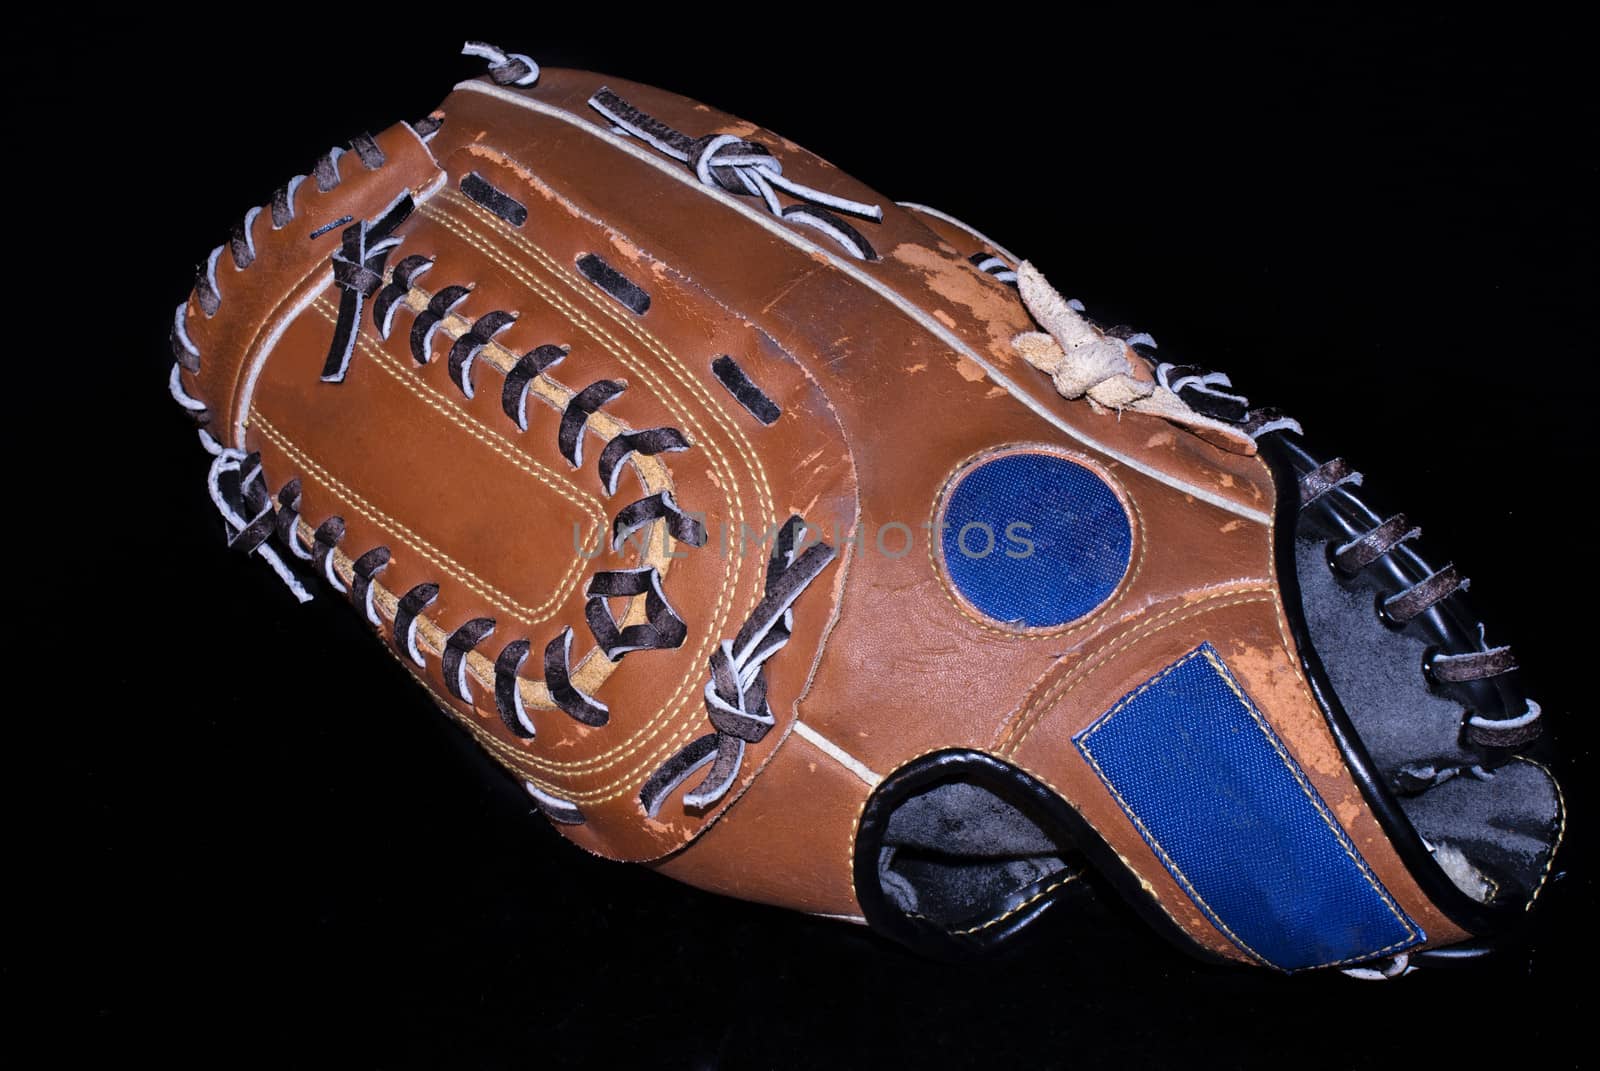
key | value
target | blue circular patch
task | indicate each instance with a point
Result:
(1035, 540)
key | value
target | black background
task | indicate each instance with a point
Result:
(1384, 226)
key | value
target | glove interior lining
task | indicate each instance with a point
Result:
(957, 855)
(1490, 816)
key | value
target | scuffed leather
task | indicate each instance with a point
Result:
(877, 415)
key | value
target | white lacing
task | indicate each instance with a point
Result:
(726, 161)
(509, 68)
(1382, 970)
(227, 460)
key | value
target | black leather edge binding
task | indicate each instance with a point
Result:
(1277, 451)
(1032, 798)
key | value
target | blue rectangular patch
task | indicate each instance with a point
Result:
(1229, 812)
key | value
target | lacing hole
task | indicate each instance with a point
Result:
(1429, 677)
(1331, 553)
(1385, 616)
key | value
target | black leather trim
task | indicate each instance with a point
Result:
(1462, 955)
(1280, 450)
(1041, 804)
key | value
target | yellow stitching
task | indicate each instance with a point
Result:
(597, 332)
(1067, 628)
(692, 384)
(591, 671)
(474, 427)
(534, 693)
(1300, 779)
(653, 472)
(1163, 620)
(518, 760)
(430, 637)
(462, 229)
(508, 757)
(1176, 871)
(1150, 838)
(526, 765)
(1561, 827)
(513, 760)
(1155, 897)
(855, 826)
(641, 739)
(1494, 886)
(598, 668)
(1311, 793)
(483, 589)
(1041, 894)
(689, 722)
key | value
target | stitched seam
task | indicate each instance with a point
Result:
(386, 602)
(577, 285)
(484, 590)
(1029, 902)
(1173, 869)
(644, 735)
(485, 435)
(1412, 934)
(466, 422)
(583, 676)
(526, 766)
(685, 728)
(1161, 621)
(508, 757)
(683, 693)
(1068, 628)
(669, 359)
(506, 449)
(462, 229)
(855, 826)
(1561, 828)
(1321, 807)
(534, 691)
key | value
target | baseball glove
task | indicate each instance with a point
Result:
(813, 549)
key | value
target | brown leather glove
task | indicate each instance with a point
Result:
(813, 549)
